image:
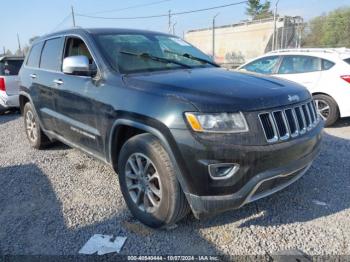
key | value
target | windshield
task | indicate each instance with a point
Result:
(131, 53)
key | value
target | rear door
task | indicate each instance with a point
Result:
(305, 70)
(9, 69)
(46, 86)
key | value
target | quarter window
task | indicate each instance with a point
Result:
(299, 64)
(34, 56)
(52, 54)
(326, 64)
(264, 65)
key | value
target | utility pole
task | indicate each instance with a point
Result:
(4, 49)
(274, 26)
(169, 22)
(73, 16)
(174, 28)
(213, 37)
(19, 44)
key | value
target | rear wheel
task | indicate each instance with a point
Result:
(327, 108)
(35, 135)
(148, 182)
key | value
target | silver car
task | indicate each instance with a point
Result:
(9, 85)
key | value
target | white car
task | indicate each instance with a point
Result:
(9, 85)
(324, 72)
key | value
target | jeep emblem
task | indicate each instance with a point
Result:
(293, 98)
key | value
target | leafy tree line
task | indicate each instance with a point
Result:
(329, 30)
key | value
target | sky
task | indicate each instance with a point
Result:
(39, 17)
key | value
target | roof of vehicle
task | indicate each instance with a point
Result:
(327, 53)
(11, 58)
(79, 30)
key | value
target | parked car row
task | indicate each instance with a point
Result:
(9, 85)
(182, 133)
(324, 72)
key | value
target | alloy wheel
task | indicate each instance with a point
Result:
(143, 182)
(31, 126)
(323, 108)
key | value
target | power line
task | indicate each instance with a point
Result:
(129, 7)
(63, 21)
(162, 15)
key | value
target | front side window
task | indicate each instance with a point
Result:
(347, 60)
(77, 47)
(130, 53)
(52, 54)
(34, 55)
(264, 65)
(299, 64)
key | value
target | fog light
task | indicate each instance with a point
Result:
(222, 170)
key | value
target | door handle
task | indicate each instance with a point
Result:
(58, 82)
(33, 76)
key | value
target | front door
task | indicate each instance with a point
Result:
(76, 103)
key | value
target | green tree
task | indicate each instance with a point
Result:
(329, 30)
(256, 10)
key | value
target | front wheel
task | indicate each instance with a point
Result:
(148, 182)
(327, 108)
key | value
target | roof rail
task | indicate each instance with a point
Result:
(340, 50)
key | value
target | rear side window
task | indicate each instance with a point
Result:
(10, 67)
(51, 56)
(264, 65)
(34, 55)
(347, 60)
(299, 64)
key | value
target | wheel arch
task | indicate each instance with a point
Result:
(136, 127)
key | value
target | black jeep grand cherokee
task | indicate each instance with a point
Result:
(181, 133)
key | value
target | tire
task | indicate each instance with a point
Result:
(330, 115)
(35, 135)
(171, 205)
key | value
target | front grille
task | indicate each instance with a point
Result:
(283, 124)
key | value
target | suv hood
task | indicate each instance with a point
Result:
(220, 90)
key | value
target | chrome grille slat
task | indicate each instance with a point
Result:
(281, 125)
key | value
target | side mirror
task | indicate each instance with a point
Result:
(76, 65)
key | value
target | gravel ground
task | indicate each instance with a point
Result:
(53, 201)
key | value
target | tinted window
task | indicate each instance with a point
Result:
(34, 56)
(52, 54)
(327, 64)
(299, 64)
(264, 65)
(10, 67)
(347, 60)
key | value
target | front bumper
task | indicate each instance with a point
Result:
(264, 170)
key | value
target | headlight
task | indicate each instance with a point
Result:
(217, 123)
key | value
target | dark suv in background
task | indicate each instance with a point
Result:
(182, 133)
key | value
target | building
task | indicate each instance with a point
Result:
(237, 43)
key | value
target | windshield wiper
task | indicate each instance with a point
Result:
(155, 58)
(193, 58)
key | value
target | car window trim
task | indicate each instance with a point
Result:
(319, 64)
(57, 36)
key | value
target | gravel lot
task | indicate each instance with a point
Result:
(53, 201)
